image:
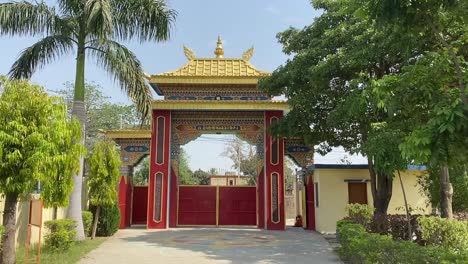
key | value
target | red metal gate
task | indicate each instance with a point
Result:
(140, 205)
(216, 205)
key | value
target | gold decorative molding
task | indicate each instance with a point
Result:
(220, 105)
(248, 54)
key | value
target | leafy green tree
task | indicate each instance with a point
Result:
(37, 143)
(140, 176)
(329, 84)
(185, 173)
(432, 90)
(103, 178)
(201, 177)
(90, 28)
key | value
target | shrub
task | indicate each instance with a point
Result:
(2, 231)
(359, 246)
(87, 221)
(109, 220)
(448, 233)
(62, 234)
(360, 213)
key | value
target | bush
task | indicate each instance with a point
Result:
(448, 233)
(62, 234)
(396, 226)
(109, 220)
(87, 222)
(2, 231)
(359, 246)
(360, 213)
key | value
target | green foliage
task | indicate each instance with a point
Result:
(104, 174)
(359, 246)
(36, 142)
(61, 236)
(359, 213)
(430, 186)
(109, 220)
(185, 173)
(87, 221)
(140, 176)
(448, 233)
(201, 177)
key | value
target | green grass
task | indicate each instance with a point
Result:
(73, 255)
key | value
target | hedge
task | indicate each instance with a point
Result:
(62, 234)
(359, 246)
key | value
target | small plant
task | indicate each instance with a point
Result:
(360, 213)
(448, 233)
(109, 220)
(87, 221)
(62, 234)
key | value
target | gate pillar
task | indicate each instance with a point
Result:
(159, 170)
(274, 175)
(125, 195)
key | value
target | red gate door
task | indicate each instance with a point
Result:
(197, 206)
(237, 205)
(140, 205)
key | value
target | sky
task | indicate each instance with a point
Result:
(241, 24)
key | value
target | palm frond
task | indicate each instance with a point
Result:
(146, 20)
(73, 8)
(99, 18)
(25, 18)
(41, 53)
(126, 69)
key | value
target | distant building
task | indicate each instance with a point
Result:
(229, 179)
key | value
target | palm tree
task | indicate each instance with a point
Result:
(91, 29)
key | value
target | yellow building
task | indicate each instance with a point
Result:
(228, 180)
(338, 185)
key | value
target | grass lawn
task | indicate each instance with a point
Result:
(73, 255)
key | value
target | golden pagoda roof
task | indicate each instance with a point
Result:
(213, 70)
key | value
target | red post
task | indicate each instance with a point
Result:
(274, 175)
(159, 170)
(310, 202)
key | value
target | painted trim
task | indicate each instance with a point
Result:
(169, 174)
(272, 139)
(357, 166)
(163, 140)
(217, 205)
(161, 196)
(277, 197)
(356, 180)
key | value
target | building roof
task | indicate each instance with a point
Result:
(217, 70)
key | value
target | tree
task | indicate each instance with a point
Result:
(329, 84)
(185, 173)
(245, 159)
(201, 177)
(432, 90)
(37, 143)
(90, 28)
(103, 178)
(143, 170)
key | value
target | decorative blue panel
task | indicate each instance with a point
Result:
(136, 149)
(293, 149)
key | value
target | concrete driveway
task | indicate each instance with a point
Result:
(213, 245)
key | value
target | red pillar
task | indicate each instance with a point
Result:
(173, 200)
(159, 169)
(310, 194)
(260, 200)
(274, 175)
(125, 196)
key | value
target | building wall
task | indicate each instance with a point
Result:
(224, 180)
(22, 219)
(333, 195)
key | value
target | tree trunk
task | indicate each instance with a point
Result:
(96, 219)
(8, 252)
(408, 217)
(79, 112)
(54, 213)
(381, 187)
(446, 193)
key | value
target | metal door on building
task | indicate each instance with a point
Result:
(216, 206)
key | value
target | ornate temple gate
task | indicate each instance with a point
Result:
(208, 96)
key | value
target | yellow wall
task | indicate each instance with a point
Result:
(221, 180)
(22, 218)
(333, 195)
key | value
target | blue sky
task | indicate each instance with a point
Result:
(241, 24)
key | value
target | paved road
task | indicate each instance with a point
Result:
(212, 245)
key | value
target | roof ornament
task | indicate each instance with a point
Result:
(219, 52)
(248, 54)
(189, 53)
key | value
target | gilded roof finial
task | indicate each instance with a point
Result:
(248, 54)
(189, 53)
(219, 52)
